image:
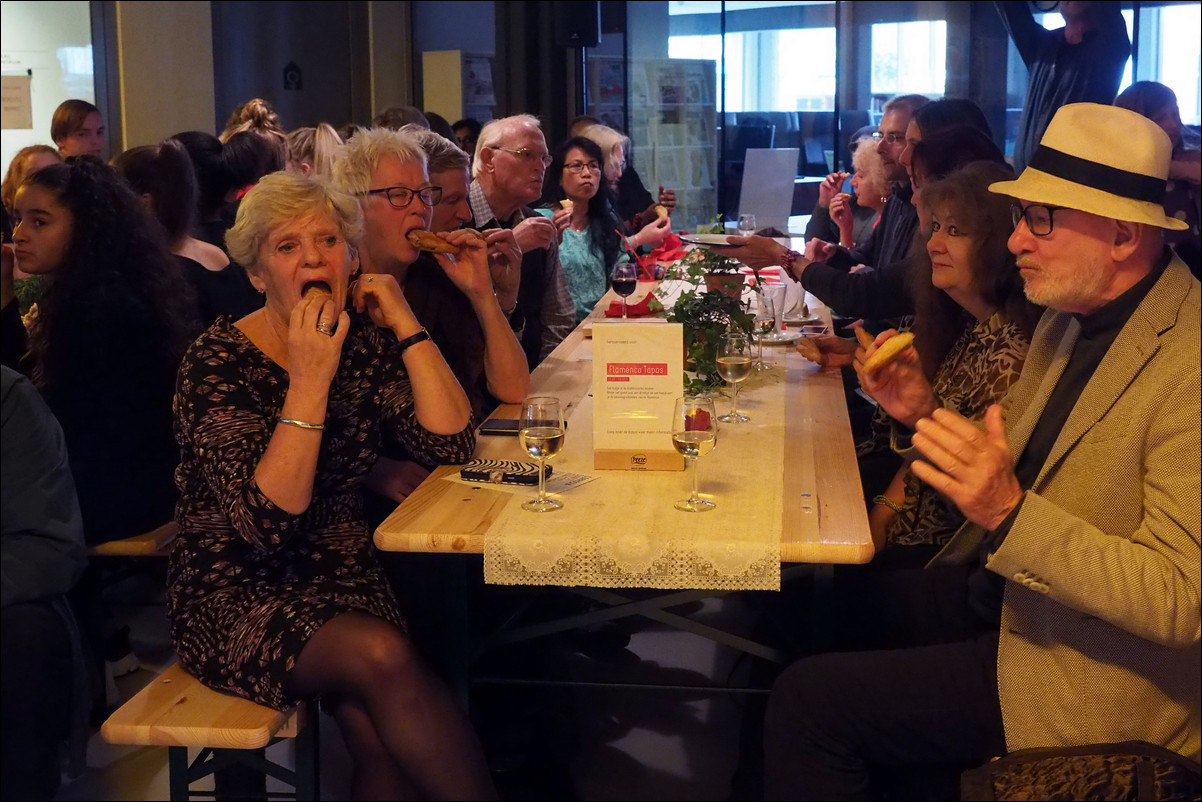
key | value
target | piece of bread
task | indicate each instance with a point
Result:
(567, 204)
(890, 350)
(864, 338)
(661, 211)
(429, 241)
(475, 234)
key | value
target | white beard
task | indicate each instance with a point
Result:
(1076, 290)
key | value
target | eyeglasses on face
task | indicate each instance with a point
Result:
(580, 167)
(1038, 217)
(401, 197)
(526, 155)
(892, 138)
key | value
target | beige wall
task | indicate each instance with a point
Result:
(391, 55)
(165, 62)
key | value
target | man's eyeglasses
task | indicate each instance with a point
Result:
(401, 197)
(580, 167)
(892, 138)
(1038, 217)
(527, 155)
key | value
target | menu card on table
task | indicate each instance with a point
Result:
(638, 373)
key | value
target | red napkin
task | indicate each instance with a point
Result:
(648, 306)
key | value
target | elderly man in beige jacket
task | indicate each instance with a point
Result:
(1082, 493)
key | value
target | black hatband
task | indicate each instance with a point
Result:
(1123, 183)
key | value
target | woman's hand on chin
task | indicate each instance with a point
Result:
(312, 353)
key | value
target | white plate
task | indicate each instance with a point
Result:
(784, 338)
(808, 320)
(708, 240)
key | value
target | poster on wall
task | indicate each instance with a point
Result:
(16, 102)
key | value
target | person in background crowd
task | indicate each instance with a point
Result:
(1079, 617)
(213, 184)
(1183, 196)
(163, 175)
(591, 246)
(633, 204)
(42, 546)
(313, 150)
(1081, 62)
(938, 116)
(467, 133)
(27, 160)
(77, 128)
(864, 218)
(400, 116)
(114, 316)
(274, 592)
(440, 126)
(507, 175)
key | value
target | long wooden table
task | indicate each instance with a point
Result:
(824, 519)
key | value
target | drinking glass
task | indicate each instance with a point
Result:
(624, 282)
(541, 436)
(763, 325)
(772, 297)
(734, 365)
(746, 225)
(694, 432)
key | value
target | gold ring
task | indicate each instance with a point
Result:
(325, 328)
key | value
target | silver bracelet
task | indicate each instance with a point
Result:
(302, 424)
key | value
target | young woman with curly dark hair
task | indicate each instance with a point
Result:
(114, 317)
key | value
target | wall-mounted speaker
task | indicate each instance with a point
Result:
(577, 24)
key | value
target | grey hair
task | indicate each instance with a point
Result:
(281, 197)
(441, 153)
(870, 162)
(360, 157)
(495, 130)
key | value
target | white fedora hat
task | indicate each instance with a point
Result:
(1099, 159)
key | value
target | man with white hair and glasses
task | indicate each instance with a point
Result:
(507, 175)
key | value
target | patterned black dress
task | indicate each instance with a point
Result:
(249, 583)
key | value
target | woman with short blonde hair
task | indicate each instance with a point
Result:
(275, 593)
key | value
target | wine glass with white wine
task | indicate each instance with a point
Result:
(694, 433)
(541, 436)
(734, 365)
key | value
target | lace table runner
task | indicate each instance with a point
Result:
(622, 531)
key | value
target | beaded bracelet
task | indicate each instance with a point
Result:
(302, 424)
(787, 259)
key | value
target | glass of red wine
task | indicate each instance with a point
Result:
(625, 281)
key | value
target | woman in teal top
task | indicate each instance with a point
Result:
(582, 209)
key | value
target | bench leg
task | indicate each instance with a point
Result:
(239, 781)
(305, 755)
(177, 773)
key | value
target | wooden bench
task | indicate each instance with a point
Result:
(175, 710)
(155, 543)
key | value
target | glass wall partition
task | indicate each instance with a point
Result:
(700, 83)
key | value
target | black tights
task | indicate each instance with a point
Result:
(406, 735)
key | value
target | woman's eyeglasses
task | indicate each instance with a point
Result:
(580, 167)
(401, 197)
